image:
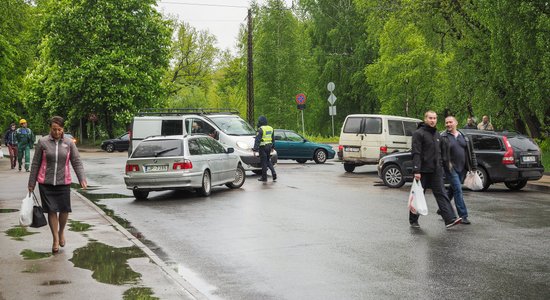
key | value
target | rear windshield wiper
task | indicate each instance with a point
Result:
(157, 153)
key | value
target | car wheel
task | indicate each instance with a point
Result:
(206, 184)
(320, 156)
(240, 176)
(516, 185)
(110, 148)
(257, 172)
(301, 161)
(393, 176)
(349, 167)
(484, 178)
(140, 195)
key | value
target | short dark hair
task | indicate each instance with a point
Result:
(57, 120)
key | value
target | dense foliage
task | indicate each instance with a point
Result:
(402, 57)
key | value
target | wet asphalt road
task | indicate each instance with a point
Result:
(319, 233)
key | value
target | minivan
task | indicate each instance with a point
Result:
(365, 138)
(224, 125)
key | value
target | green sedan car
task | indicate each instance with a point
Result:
(290, 145)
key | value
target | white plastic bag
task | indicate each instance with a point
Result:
(25, 214)
(417, 201)
(473, 181)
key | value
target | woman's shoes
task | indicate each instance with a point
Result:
(62, 243)
(55, 250)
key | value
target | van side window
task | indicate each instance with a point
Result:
(353, 125)
(171, 127)
(482, 142)
(373, 126)
(395, 127)
(410, 127)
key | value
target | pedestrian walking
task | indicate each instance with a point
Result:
(427, 167)
(470, 124)
(263, 144)
(11, 142)
(485, 124)
(50, 168)
(25, 142)
(458, 156)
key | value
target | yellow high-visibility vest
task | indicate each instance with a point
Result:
(267, 135)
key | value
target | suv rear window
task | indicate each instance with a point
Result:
(522, 143)
(483, 142)
(158, 148)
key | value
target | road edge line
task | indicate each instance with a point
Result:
(178, 279)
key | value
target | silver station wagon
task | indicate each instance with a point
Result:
(182, 162)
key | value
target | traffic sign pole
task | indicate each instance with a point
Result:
(331, 99)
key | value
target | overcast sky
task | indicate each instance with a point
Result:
(222, 22)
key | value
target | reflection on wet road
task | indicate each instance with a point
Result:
(321, 233)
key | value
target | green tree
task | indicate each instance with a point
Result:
(102, 57)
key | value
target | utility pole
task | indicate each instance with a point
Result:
(250, 72)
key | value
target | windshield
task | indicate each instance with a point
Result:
(233, 125)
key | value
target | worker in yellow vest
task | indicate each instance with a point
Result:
(263, 144)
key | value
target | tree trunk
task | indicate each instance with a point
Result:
(84, 123)
(534, 126)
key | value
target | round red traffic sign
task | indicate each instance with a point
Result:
(300, 99)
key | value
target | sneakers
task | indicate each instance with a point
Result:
(415, 225)
(454, 222)
(275, 177)
(466, 221)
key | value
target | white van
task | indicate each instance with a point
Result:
(366, 138)
(224, 125)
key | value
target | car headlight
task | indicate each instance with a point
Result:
(243, 145)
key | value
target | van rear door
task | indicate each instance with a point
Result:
(361, 138)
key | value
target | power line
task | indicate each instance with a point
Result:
(203, 4)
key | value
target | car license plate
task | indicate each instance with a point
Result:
(528, 159)
(351, 149)
(156, 168)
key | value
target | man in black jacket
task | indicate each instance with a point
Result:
(427, 167)
(458, 156)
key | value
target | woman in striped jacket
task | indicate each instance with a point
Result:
(50, 168)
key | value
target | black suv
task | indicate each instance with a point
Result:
(501, 157)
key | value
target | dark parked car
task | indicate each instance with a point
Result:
(501, 156)
(120, 144)
(290, 145)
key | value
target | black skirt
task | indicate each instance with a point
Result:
(55, 198)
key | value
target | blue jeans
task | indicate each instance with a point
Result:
(455, 191)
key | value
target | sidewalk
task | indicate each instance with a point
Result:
(122, 267)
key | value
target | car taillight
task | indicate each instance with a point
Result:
(132, 168)
(383, 150)
(185, 165)
(508, 158)
(340, 148)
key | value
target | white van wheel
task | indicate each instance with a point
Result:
(349, 167)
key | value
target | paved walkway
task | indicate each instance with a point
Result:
(104, 248)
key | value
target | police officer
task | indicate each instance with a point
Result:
(263, 144)
(25, 142)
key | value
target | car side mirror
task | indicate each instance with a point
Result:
(230, 150)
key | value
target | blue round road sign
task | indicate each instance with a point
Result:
(300, 99)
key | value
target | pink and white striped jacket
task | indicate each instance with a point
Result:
(50, 164)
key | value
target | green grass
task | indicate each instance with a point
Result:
(323, 139)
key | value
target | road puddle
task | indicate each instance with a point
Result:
(17, 233)
(108, 264)
(7, 210)
(141, 293)
(28, 254)
(95, 198)
(78, 226)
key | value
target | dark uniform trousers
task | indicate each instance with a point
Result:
(434, 181)
(265, 153)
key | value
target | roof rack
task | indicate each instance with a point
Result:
(185, 111)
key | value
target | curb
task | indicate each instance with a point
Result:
(180, 281)
(538, 187)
